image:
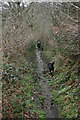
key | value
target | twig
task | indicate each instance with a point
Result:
(71, 86)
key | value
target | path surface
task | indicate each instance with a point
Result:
(51, 110)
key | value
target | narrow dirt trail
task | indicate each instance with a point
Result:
(50, 108)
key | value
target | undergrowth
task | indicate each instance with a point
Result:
(64, 83)
(22, 95)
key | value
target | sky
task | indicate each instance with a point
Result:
(42, 0)
(27, 2)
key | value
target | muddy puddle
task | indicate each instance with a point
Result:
(49, 105)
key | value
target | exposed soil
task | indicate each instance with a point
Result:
(50, 107)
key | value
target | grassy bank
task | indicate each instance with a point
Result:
(64, 83)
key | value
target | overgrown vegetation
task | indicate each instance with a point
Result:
(65, 81)
(57, 28)
(22, 95)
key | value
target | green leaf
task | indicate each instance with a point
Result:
(17, 70)
(28, 102)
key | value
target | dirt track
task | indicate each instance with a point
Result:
(49, 106)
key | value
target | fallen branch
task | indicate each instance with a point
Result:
(71, 86)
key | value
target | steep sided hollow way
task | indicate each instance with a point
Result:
(50, 107)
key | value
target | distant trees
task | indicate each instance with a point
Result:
(45, 21)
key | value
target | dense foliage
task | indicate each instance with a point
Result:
(56, 25)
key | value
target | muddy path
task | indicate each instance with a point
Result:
(49, 105)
